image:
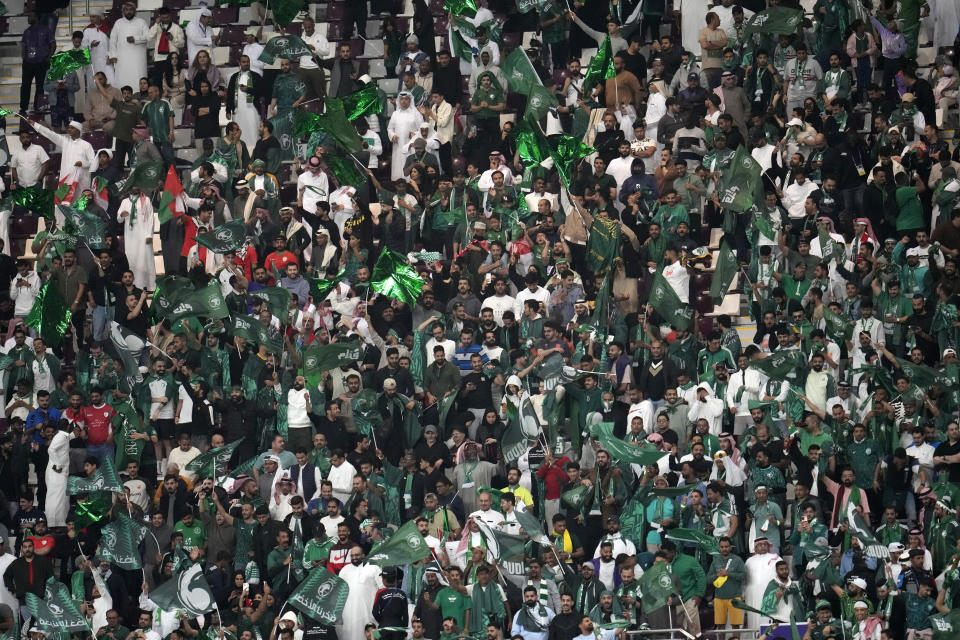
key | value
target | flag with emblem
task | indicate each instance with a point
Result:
(780, 364)
(187, 592)
(640, 453)
(213, 463)
(708, 544)
(724, 274)
(576, 497)
(539, 101)
(171, 202)
(945, 626)
(105, 478)
(146, 175)
(63, 63)
(285, 11)
(320, 358)
(741, 185)
(226, 238)
(170, 290)
(519, 72)
(277, 299)
(89, 228)
(207, 302)
(286, 46)
(394, 278)
(858, 528)
(531, 525)
(50, 315)
(119, 542)
(256, 332)
(656, 586)
(459, 46)
(321, 596)
(779, 20)
(128, 346)
(603, 245)
(506, 548)
(404, 547)
(522, 426)
(664, 299)
(836, 325)
(56, 610)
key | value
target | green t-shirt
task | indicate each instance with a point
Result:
(157, 116)
(453, 604)
(193, 536)
(911, 213)
(128, 114)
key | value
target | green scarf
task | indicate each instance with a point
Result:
(530, 623)
(487, 607)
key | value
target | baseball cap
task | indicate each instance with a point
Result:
(895, 547)
(907, 97)
(795, 122)
(949, 352)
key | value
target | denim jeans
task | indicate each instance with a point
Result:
(100, 323)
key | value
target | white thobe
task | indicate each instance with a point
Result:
(691, 21)
(364, 581)
(246, 114)
(342, 480)
(199, 38)
(73, 151)
(136, 232)
(98, 54)
(403, 123)
(58, 504)
(131, 57)
(761, 569)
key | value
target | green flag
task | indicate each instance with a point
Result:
(213, 463)
(87, 512)
(945, 626)
(859, 528)
(539, 101)
(345, 170)
(656, 586)
(743, 606)
(284, 11)
(777, 20)
(599, 69)
(566, 152)
(36, 199)
(673, 492)
(187, 591)
(576, 497)
(254, 331)
(741, 184)
(924, 376)
(277, 299)
(780, 364)
(88, 227)
(532, 145)
(317, 359)
(57, 609)
(5, 112)
(461, 7)
(394, 278)
(321, 287)
(127, 447)
(171, 289)
(626, 452)
(519, 73)
(63, 63)
(727, 268)
(226, 238)
(406, 546)
(530, 524)
(286, 46)
(105, 478)
(119, 542)
(146, 175)
(522, 426)
(507, 548)
(667, 303)
(460, 47)
(603, 244)
(321, 596)
(708, 544)
(633, 520)
(206, 302)
(837, 326)
(365, 101)
(50, 315)
(366, 411)
(334, 123)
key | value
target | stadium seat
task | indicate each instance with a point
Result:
(225, 15)
(335, 11)
(232, 34)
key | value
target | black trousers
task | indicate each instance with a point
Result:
(32, 72)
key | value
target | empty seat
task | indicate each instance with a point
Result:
(335, 31)
(288, 193)
(357, 47)
(98, 140)
(225, 15)
(335, 11)
(232, 34)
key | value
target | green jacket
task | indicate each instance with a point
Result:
(736, 570)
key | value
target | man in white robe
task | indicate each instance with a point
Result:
(243, 101)
(761, 569)
(76, 152)
(364, 581)
(57, 504)
(99, 44)
(128, 46)
(136, 214)
(403, 125)
(199, 35)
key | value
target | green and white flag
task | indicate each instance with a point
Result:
(170, 291)
(213, 463)
(519, 72)
(286, 46)
(945, 626)
(642, 454)
(531, 525)
(146, 175)
(226, 238)
(656, 586)
(321, 596)
(254, 331)
(277, 299)
(207, 302)
(317, 359)
(88, 227)
(708, 544)
(726, 270)
(781, 364)
(119, 542)
(104, 479)
(285, 11)
(858, 528)
(600, 68)
(523, 425)
(56, 610)
(576, 497)
(506, 548)
(50, 315)
(667, 303)
(187, 592)
(740, 185)
(406, 546)
(603, 244)
(775, 20)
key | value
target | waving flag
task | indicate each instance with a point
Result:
(213, 463)
(394, 278)
(171, 201)
(105, 478)
(119, 542)
(187, 591)
(50, 315)
(63, 63)
(67, 187)
(56, 610)
(321, 596)
(406, 546)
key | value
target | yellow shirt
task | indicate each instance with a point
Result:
(521, 494)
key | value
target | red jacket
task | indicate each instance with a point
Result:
(554, 477)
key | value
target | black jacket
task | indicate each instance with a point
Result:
(240, 421)
(256, 91)
(17, 577)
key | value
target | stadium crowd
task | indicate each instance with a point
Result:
(526, 319)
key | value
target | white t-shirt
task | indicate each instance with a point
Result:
(319, 193)
(28, 163)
